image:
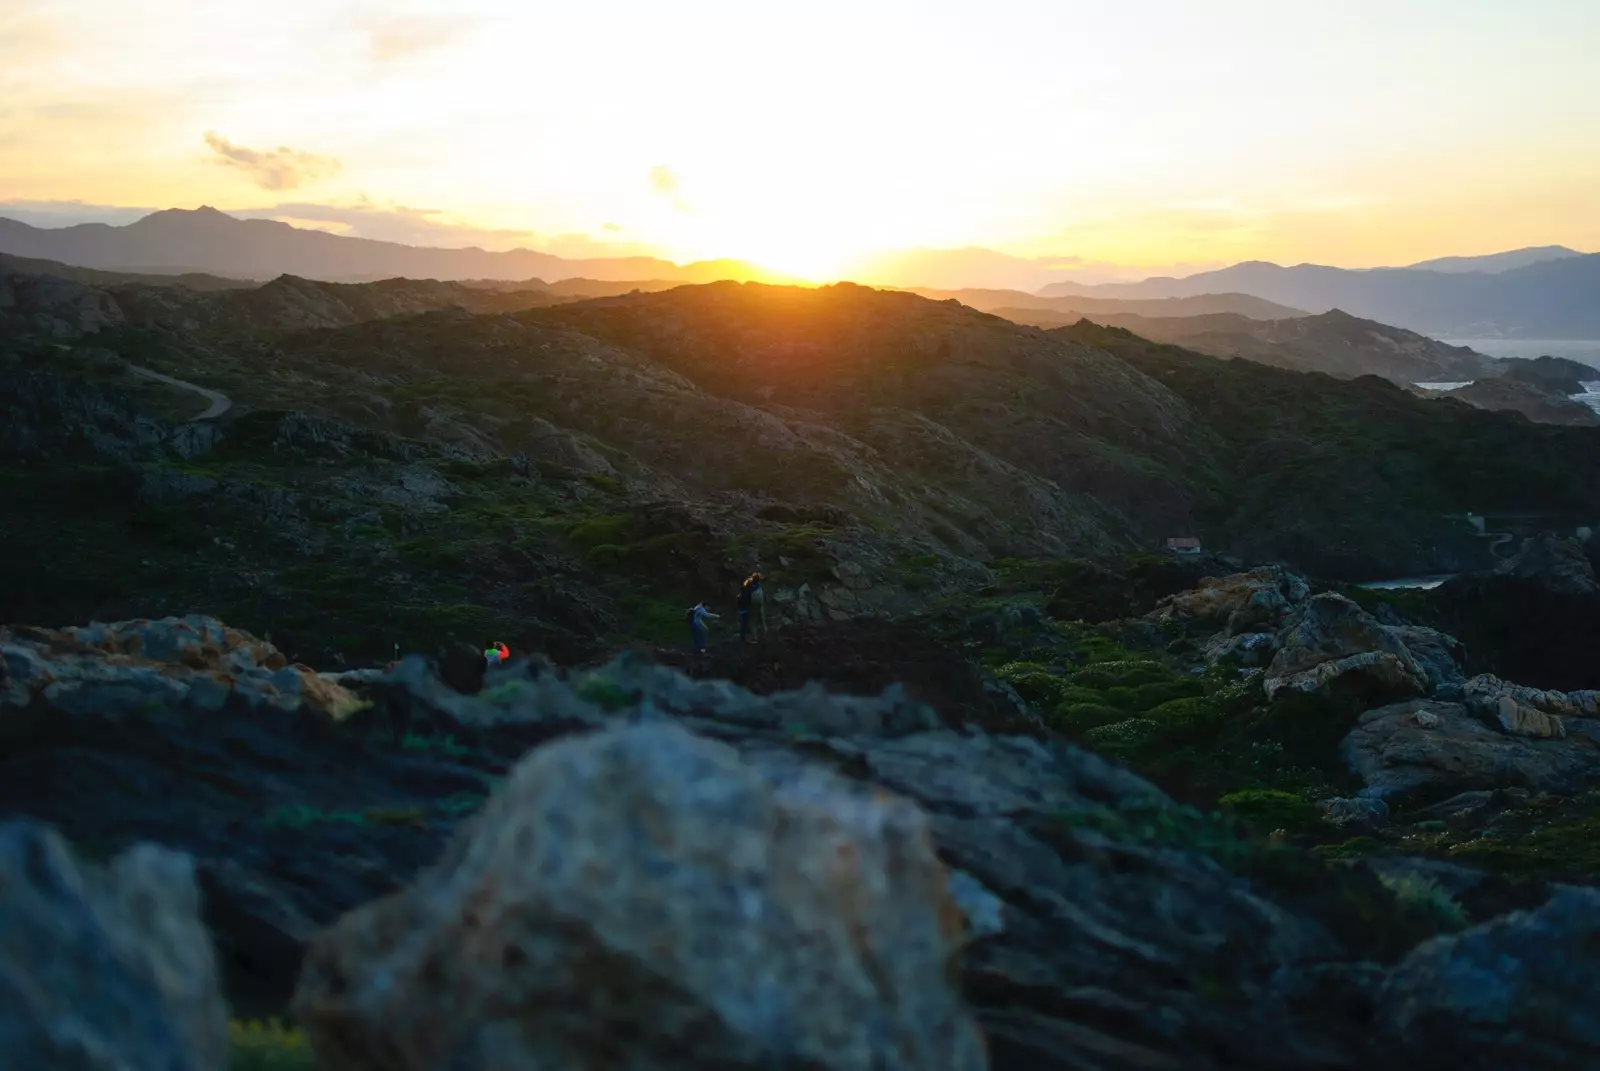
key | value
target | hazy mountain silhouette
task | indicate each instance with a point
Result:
(211, 241)
(1552, 299)
(1498, 262)
(1068, 310)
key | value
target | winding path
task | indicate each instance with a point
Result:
(220, 403)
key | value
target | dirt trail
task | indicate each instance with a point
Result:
(220, 403)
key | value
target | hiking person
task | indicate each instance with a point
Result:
(698, 616)
(751, 597)
(495, 654)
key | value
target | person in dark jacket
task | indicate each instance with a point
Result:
(751, 599)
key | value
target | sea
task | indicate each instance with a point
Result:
(1585, 350)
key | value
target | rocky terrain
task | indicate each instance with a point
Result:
(569, 477)
(1335, 343)
(1252, 825)
(1538, 403)
(1552, 373)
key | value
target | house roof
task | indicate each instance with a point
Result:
(1182, 541)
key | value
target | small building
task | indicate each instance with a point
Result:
(1183, 545)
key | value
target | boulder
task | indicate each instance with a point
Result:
(1430, 749)
(194, 662)
(1332, 646)
(1515, 704)
(646, 894)
(1559, 565)
(1440, 655)
(1358, 813)
(1519, 991)
(1255, 601)
(104, 969)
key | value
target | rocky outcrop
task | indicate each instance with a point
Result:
(1538, 403)
(194, 662)
(104, 969)
(1332, 646)
(1103, 926)
(1519, 991)
(56, 308)
(1252, 602)
(1559, 565)
(1427, 749)
(651, 895)
(1527, 711)
(1087, 938)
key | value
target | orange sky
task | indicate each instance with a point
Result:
(1148, 133)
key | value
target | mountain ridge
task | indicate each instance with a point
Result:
(183, 239)
(1552, 299)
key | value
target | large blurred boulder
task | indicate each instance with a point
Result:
(104, 970)
(645, 894)
(1519, 991)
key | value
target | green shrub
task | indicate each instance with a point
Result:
(1149, 696)
(1124, 736)
(607, 694)
(1081, 717)
(1039, 687)
(1424, 897)
(268, 1046)
(1268, 809)
(609, 484)
(610, 528)
(605, 556)
(1123, 697)
(1071, 693)
(1127, 673)
(1190, 714)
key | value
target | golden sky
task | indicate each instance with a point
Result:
(810, 137)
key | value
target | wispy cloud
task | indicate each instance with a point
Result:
(393, 38)
(664, 182)
(282, 168)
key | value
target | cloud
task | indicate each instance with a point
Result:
(393, 38)
(663, 179)
(664, 182)
(282, 168)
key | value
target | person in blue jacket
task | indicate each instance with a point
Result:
(698, 616)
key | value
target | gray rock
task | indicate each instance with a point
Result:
(648, 895)
(1425, 748)
(1331, 645)
(104, 969)
(1358, 813)
(1559, 565)
(1438, 653)
(1519, 991)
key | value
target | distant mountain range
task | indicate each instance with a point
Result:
(1335, 343)
(206, 240)
(1058, 311)
(1542, 292)
(1550, 298)
(1497, 262)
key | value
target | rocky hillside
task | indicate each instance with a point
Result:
(568, 477)
(1540, 404)
(1334, 343)
(1552, 373)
